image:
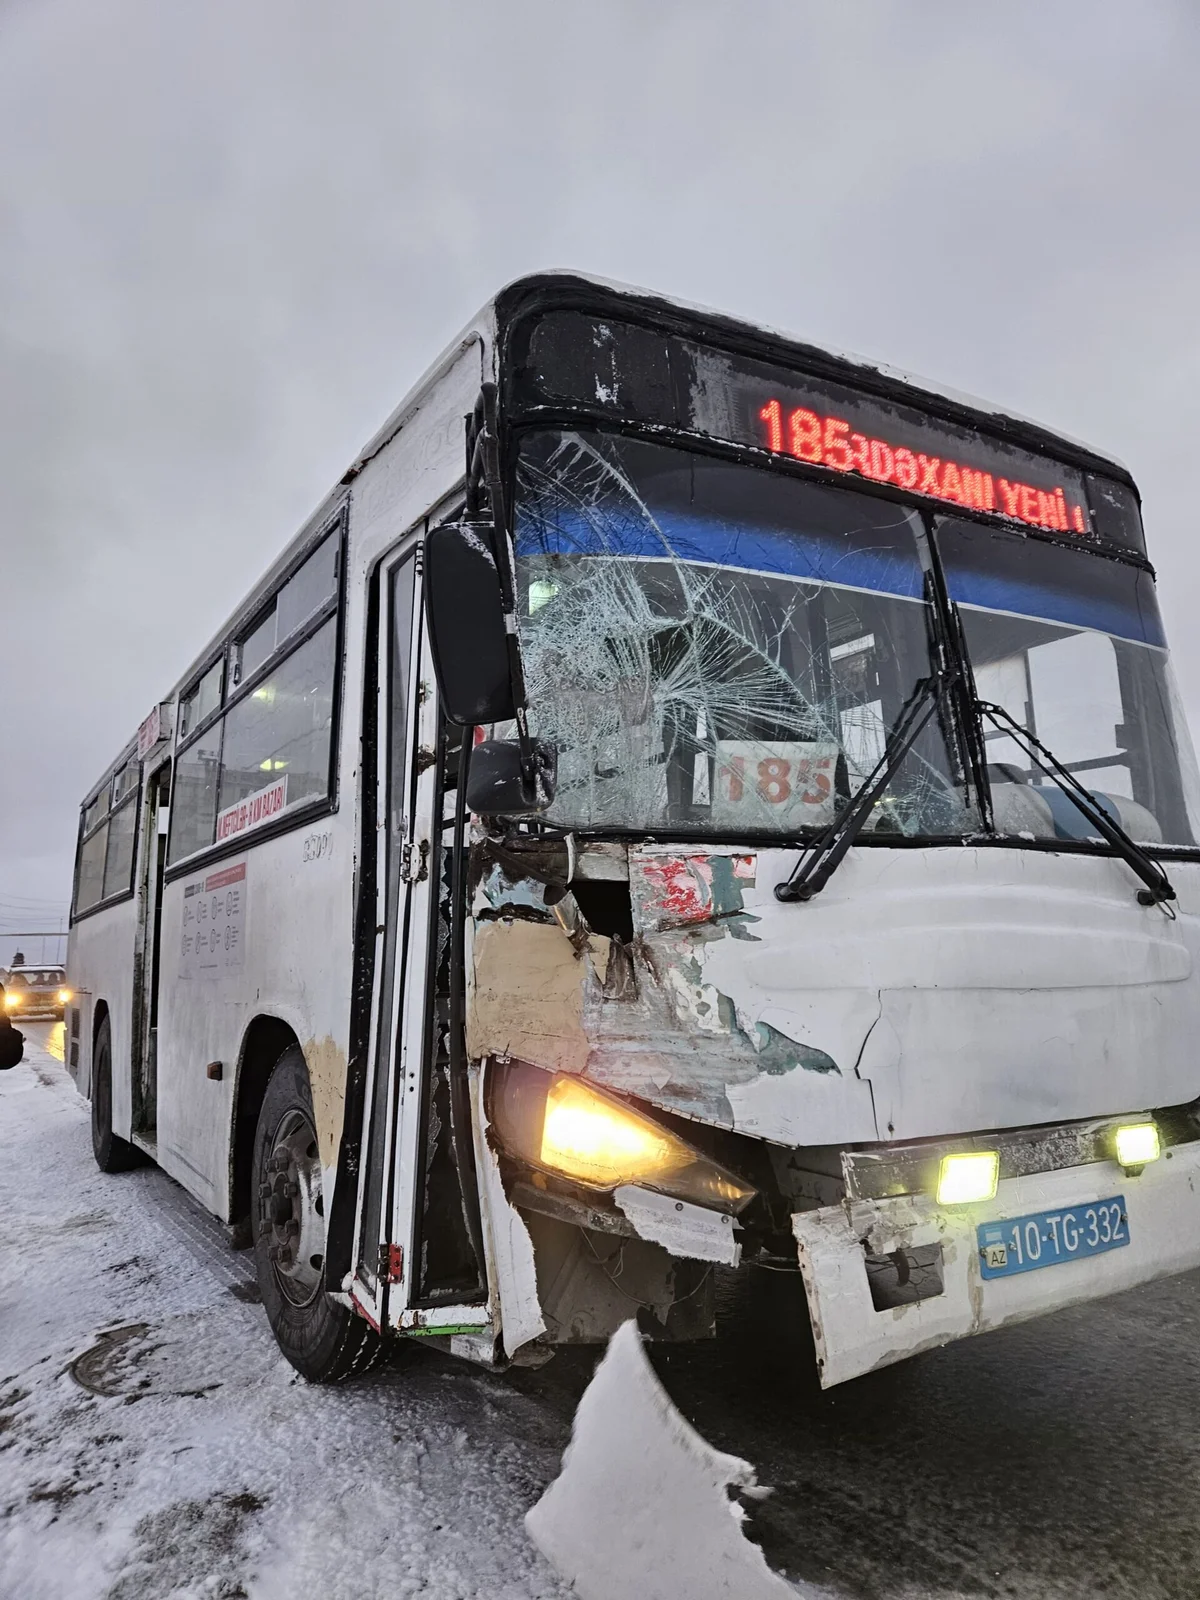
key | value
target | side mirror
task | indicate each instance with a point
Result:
(496, 786)
(465, 614)
(475, 663)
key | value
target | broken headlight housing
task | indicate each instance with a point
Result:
(561, 1124)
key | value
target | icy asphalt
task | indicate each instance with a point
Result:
(154, 1445)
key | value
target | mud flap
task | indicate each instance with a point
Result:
(641, 1509)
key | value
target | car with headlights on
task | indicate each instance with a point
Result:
(36, 991)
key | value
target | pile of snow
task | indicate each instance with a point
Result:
(642, 1510)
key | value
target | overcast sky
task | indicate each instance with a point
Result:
(232, 234)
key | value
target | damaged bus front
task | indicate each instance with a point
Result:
(831, 874)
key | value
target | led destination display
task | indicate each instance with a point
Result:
(830, 442)
(993, 467)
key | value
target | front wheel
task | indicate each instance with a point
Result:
(112, 1153)
(323, 1340)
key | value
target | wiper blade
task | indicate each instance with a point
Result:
(815, 869)
(1158, 886)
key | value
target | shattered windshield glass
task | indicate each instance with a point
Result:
(717, 648)
(1071, 645)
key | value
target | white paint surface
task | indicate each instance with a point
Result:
(962, 989)
(686, 1230)
(641, 1510)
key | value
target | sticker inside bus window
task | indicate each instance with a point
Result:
(789, 782)
(253, 810)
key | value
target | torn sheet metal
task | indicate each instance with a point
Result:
(524, 877)
(512, 1273)
(670, 889)
(642, 1508)
(1163, 1208)
(588, 1283)
(525, 996)
(687, 1230)
(702, 1036)
(539, 991)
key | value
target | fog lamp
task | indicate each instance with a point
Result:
(967, 1176)
(1138, 1143)
(561, 1124)
(63, 996)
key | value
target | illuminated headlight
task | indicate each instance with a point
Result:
(63, 996)
(967, 1176)
(559, 1123)
(12, 1000)
(1137, 1144)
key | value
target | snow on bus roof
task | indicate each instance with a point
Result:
(786, 336)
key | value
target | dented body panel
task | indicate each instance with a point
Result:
(928, 992)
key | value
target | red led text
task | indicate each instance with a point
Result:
(829, 442)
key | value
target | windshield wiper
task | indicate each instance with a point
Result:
(1158, 886)
(816, 868)
(949, 691)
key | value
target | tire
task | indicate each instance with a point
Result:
(112, 1154)
(324, 1341)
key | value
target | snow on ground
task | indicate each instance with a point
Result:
(183, 1459)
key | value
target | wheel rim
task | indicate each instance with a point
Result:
(292, 1209)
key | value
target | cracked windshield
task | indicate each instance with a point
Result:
(717, 648)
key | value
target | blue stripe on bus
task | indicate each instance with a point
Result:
(891, 570)
(1104, 613)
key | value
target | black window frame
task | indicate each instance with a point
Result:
(336, 527)
(130, 800)
(215, 658)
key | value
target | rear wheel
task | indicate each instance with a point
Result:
(323, 1340)
(112, 1153)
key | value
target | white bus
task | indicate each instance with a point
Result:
(686, 800)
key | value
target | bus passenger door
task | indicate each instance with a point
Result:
(402, 918)
(156, 796)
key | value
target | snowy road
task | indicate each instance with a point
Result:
(203, 1467)
(153, 1445)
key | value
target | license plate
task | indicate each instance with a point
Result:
(1048, 1238)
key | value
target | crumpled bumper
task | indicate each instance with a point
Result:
(1162, 1205)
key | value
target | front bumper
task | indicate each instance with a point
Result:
(1163, 1207)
